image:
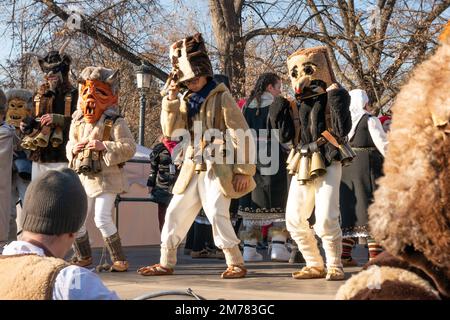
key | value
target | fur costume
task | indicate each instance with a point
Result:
(321, 105)
(28, 276)
(120, 145)
(101, 172)
(20, 106)
(58, 99)
(7, 133)
(410, 215)
(206, 183)
(190, 59)
(174, 116)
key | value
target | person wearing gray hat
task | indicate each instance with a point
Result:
(33, 268)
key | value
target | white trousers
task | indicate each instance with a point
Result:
(323, 195)
(202, 191)
(19, 187)
(102, 208)
(38, 168)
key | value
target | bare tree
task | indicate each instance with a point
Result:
(371, 47)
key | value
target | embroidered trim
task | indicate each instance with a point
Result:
(356, 232)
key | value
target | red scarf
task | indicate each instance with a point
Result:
(169, 144)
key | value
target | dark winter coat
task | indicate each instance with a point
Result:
(312, 113)
(161, 179)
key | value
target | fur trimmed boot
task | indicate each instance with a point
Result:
(120, 263)
(278, 249)
(82, 252)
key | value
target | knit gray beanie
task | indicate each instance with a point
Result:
(55, 203)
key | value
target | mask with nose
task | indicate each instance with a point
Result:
(95, 97)
(98, 91)
(19, 105)
(310, 72)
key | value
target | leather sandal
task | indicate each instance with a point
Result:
(309, 273)
(119, 266)
(335, 274)
(234, 272)
(81, 262)
(155, 270)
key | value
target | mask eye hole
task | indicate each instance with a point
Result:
(308, 70)
(85, 91)
(100, 91)
(294, 72)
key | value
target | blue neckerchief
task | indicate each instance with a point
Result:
(197, 98)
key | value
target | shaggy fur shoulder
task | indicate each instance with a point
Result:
(410, 215)
(386, 283)
(28, 277)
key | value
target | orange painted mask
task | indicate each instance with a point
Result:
(95, 97)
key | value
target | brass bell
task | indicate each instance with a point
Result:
(85, 162)
(41, 140)
(291, 155)
(347, 154)
(303, 174)
(317, 166)
(293, 164)
(26, 143)
(57, 137)
(199, 167)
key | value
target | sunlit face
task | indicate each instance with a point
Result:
(95, 97)
(17, 111)
(196, 84)
(275, 90)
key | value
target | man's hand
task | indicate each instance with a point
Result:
(173, 91)
(96, 145)
(46, 119)
(241, 182)
(79, 147)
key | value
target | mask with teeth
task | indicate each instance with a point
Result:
(310, 72)
(19, 106)
(95, 97)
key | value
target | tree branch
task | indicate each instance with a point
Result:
(415, 41)
(90, 30)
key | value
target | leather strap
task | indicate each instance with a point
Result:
(330, 138)
(68, 105)
(107, 130)
(296, 120)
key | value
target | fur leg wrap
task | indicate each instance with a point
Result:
(82, 247)
(168, 257)
(115, 248)
(233, 256)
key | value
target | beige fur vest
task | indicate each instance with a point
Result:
(28, 277)
(173, 115)
(119, 149)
